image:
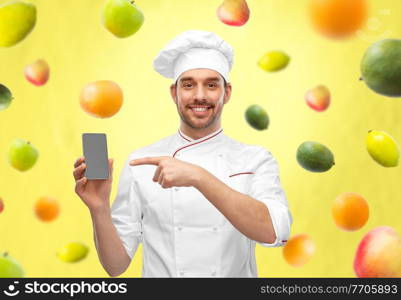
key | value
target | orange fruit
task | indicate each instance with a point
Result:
(101, 99)
(47, 208)
(298, 250)
(350, 211)
(338, 18)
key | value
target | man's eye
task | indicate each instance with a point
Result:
(212, 84)
(187, 84)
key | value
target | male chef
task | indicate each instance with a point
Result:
(198, 200)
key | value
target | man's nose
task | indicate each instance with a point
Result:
(200, 93)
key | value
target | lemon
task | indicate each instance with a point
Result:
(17, 20)
(73, 252)
(273, 61)
(382, 148)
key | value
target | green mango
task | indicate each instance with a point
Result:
(257, 117)
(315, 157)
(5, 97)
(381, 67)
(122, 17)
(17, 20)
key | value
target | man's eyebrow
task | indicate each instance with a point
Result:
(207, 79)
(213, 78)
(185, 79)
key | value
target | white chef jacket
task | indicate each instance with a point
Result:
(182, 233)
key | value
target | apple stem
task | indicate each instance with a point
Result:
(5, 254)
(132, 2)
(360, 78)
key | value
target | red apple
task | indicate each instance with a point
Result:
(37, 73)
(318, 98)
(233, 12)
(1, 205)
(379, 254)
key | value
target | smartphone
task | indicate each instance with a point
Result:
(96, 157)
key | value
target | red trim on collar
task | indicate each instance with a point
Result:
(241, 174)
(183, 136)
(197, 142)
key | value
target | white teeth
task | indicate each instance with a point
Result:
(199, 108)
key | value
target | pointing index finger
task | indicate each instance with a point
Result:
(146, 161)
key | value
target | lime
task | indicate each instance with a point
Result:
(257, 117)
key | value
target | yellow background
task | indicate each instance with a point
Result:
(69, 36)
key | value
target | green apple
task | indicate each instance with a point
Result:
(22, 155)
(9, 267)
(122, 17)
(17, 20)
(5, 97)
(72, 252)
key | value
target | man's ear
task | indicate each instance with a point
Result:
(227, 93)
(173, 92)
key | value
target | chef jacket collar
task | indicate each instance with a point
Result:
(185, 140)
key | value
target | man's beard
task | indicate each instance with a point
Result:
(194, 126)
(211, 121)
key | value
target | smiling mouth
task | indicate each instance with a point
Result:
(200, 108)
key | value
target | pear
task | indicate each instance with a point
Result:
(122, 17)
(233, 12)
(17, 20)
